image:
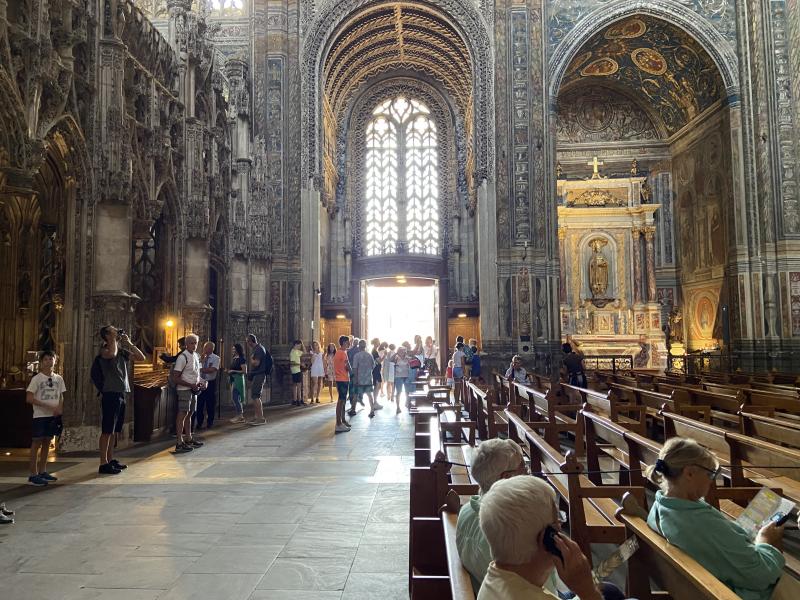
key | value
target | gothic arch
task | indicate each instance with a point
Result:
(352, 132)
(720, 50)
(464, 15)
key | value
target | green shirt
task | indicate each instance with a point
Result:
(294, 359)
(720, 545)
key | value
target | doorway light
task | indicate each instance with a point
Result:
(341, 316)
(169, 323)
(462, 315)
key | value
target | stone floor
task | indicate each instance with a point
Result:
(287, 510)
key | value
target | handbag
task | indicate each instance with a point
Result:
(414, 363)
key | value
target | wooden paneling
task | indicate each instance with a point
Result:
(331, 329)
(469, 327)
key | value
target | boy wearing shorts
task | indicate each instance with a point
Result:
(46, 394)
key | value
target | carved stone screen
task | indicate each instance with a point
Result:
(402, 180)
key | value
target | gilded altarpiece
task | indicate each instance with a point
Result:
(608, 300)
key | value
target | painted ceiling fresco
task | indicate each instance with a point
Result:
(654, 61)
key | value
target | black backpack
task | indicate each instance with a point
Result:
(96, 373)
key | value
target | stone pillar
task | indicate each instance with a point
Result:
(636, 250)
(486, 217)
(562, 265)
(311, 211)
(650, 254)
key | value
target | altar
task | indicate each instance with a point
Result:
(606, 235)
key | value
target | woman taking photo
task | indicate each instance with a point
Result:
(317, 371)
(330, 373)
(684, 472)
(236, 373)
(295, 366)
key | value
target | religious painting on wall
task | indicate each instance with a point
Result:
(794, 291)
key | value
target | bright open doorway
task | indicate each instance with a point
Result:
(397, 310)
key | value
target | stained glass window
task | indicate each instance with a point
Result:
(402, 179)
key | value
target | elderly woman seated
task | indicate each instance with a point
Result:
(519, 517)
(684, 472)
(494, 460)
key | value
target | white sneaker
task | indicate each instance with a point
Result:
(342, 428)
(257, 422)
(238, 419)
(377, 406)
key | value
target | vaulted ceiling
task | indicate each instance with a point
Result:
(403, 36)
(651, 60)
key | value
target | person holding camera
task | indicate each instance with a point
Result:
(117, 350)
(189, 383)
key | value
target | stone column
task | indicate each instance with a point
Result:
(310, 214)
(636, 248)
(562, 265)
(486, 217)
(650, 254)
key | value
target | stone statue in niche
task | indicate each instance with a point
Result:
(524, 303)
(598, 272)
(673, 328)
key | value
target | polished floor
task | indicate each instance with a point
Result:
(287, 510)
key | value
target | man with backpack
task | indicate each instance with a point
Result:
(110, 376)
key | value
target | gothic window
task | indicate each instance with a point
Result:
(402, 179)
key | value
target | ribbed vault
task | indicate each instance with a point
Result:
(401, 36)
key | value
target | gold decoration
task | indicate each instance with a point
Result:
(595, 198)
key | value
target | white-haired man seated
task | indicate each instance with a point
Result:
(495, 459)
(514, 516)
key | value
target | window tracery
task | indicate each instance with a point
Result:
(402, 179)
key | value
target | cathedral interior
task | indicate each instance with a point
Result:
(592, 171)
(621, 175)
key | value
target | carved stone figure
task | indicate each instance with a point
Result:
(598, 268)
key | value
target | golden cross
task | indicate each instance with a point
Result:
(594, 163)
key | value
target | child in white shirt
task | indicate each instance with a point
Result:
(46, 394)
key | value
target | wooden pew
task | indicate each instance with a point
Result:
(724, 407)
(617, 409)
(777, 431)
(489, 417)
(669, 567)
(537, 405)
(748, 459)
(591, 508)
(453, 428)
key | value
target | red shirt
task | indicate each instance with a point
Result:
(340, 366)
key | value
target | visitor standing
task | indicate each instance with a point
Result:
(317, 371)
(402, 375)
(468, 360)
(475, 371)
(259, 373)
(189, 383)
(296, 369)
(573, 363)
(113, 360)
(363, 365)
(388, 372)
(341, 366)
(429, 351)
(458, 371)
(236, 375)
(417, 358)
(46, 394)
(330, 371)
(352, 392)
(207, 400)
(378, 352)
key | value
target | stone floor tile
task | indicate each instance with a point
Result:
(371, 586)
(381, 558)
(211, 587)
(303, 574)
(158, 573)
(236, 559)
